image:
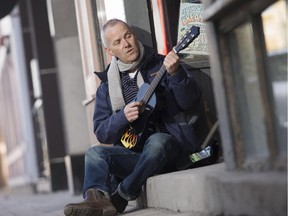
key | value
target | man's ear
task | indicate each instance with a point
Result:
(109, 51)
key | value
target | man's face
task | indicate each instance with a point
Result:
(122, 43)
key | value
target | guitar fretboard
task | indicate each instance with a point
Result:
(182, 44)
(153, 85)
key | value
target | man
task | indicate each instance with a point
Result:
(128, 162)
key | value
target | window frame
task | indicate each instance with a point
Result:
(224, 16)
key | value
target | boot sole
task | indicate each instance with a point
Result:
(77, 211)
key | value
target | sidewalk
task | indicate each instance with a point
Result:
(52, 204)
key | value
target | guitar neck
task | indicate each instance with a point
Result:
(190, 35)
(153, 85)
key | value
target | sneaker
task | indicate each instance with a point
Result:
(119, 202)
(95, 204)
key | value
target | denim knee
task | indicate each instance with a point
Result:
(97, 150)
(159, 144)
(90, 153)
(94, 154)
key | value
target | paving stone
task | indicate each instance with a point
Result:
(52, 204)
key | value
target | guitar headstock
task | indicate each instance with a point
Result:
(190, 35)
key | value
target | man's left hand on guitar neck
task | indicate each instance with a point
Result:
(171, 62)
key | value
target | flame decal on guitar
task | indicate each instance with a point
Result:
(129, 138)
(147, 96)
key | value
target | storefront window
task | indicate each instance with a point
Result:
(104, 11)
(249, 59)
(275, 32)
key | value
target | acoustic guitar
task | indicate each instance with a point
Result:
(146, 94)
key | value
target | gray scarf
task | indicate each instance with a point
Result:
(114, 81)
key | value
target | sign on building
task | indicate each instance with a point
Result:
(192, 14)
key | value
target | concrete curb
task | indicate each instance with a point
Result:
(212, 190)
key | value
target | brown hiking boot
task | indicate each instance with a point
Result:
(95, 204)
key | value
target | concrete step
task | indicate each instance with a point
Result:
(212, 190)
(137, 211)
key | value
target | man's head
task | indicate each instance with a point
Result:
(120, 41)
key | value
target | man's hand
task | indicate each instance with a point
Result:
(131, 111)
(171, 62)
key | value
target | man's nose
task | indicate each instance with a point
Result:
(126, 43)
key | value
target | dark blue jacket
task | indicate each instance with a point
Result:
(175, 95)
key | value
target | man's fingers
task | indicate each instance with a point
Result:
(135, 104)
(171, 62)
(131, 111)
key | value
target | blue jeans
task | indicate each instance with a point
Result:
(133, 168)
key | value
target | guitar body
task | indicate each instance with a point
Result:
(130, 138)
(140, 124)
